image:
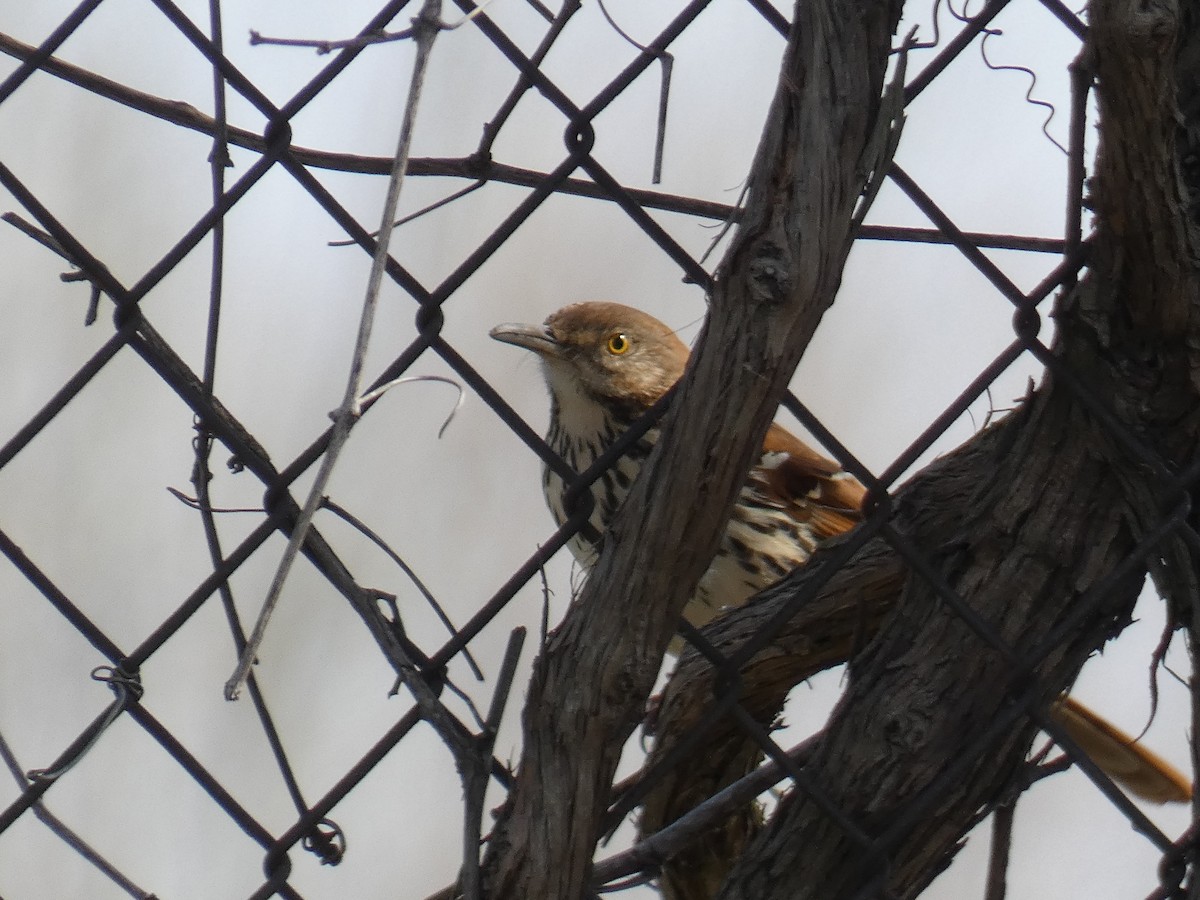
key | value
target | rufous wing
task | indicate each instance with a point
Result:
(816, 489)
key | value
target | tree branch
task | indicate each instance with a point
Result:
(478, 167)
(591, 683)
(841, 614)
(1041, 531)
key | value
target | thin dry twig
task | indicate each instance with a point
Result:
(30, 230)
(662, 845)
(475, 780)
(475, 167)
(371, 396)
(426, 27)
(66, 834)
(1002, 828)
(667, 61)
(365, 40)
(423, 211)
(345, 515)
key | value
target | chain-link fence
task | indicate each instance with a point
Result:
(214, 202)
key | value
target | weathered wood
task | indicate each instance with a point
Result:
(1053, 502)
(591, 682)
(1027, 522)
(845, 612)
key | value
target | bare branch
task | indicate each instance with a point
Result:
(426, 27)
(476, 168)
(781, 274)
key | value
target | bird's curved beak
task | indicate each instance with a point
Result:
(532, 337)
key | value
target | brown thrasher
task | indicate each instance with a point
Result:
(606, 364)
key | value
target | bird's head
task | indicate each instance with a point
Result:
(602, 353)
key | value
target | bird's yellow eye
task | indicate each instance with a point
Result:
(618, 344)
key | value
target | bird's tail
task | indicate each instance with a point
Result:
(1142, 772)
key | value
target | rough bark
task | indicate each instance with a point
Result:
(592, 680)
(927, 689)
(1030, 524)
(843, 613)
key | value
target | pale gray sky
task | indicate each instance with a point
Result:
(87, 499)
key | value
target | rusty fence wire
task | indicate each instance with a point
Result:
(190, 216)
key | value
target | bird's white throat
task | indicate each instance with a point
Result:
(579, 413)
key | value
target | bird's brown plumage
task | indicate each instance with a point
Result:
(606, 364)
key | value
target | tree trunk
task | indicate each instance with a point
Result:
(589, 688)
(1034, 525)
(1031, 542)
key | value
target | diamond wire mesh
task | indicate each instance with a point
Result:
(108, 569)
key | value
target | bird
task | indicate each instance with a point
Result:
(605, 364)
